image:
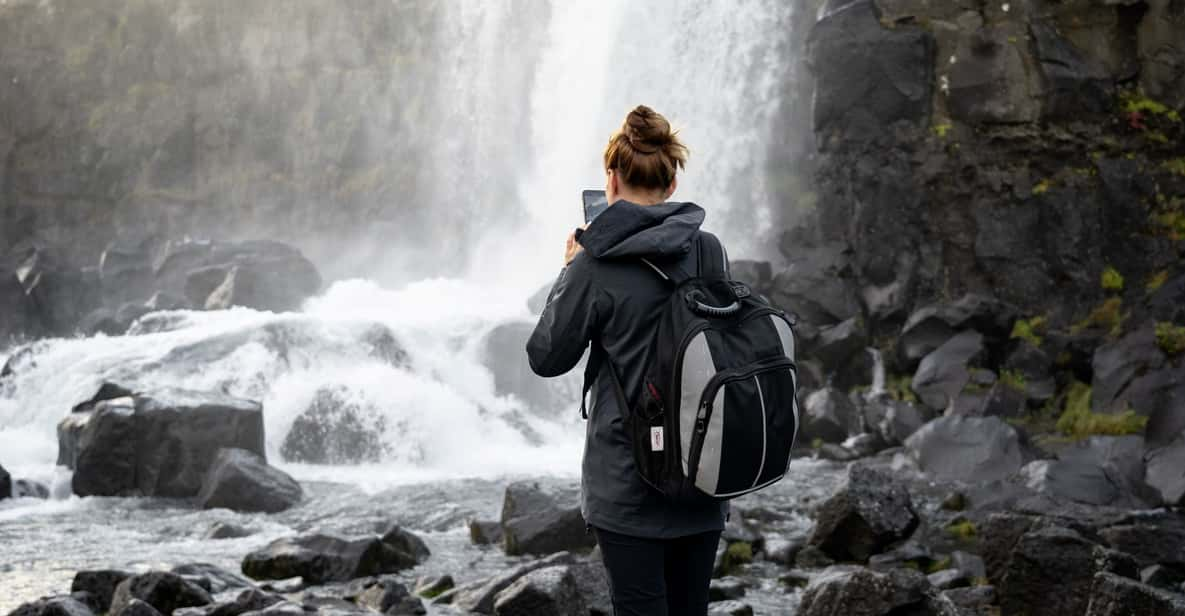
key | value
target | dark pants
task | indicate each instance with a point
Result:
(659, 577)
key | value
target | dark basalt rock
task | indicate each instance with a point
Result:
(54, 606)
(260, 274)
(100, 584)
(213, 578)
(336, 429)
(388, 596)
(21, 320)
(1151, 539)
(1112, 595)
(814, 289)
(322, 558)
(480, 596)
(136, 607)
(828, 415)
(550, 590)
(944, 373)
(159, 443)
(501, 351)
(1117, 365)
(107, 391)
(932, 326)
(241, 480)
(164, 591)
(1165, 459)
(541, 520)
(485, 532)
(250, 600)
(730, 608)
(1052, 568)
(1074, 84)
(5, 484)
(970, 449)
(846, 589)
(870, 513)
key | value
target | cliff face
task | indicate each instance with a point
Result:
(301, 122)
(1019, 150)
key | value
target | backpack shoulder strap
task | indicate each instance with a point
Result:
(710, 261)
(598, 357)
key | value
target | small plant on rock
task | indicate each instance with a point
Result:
(1029, 330)
(1107, 316)
(963, 528)
(1170, 338)
(1112, 280)
(1157, 281)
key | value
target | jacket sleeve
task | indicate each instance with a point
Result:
(571, 317)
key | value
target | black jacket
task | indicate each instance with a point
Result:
(609, 295)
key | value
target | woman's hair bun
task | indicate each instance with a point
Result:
(647, 130)
(646, 152)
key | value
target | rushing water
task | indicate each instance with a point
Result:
(712, 67)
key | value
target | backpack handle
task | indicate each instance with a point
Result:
(694, 301)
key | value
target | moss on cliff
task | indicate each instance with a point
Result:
(1170, 338)
(1030, 330)
(1078, 421)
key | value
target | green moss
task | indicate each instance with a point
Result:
(1170, 338)
(817, 443)
(1112, 280)
(963, 528)
(941, 130)
(980, 581)
(1175, 165)
(1077, 421)
(1029, 330)
(1041, 187)
(1013, 379)
(1135, 102)
(1157, 136)
(1157, 281)
(901, 388)
(1172, 223)
(737, 554)
(939, 565)
(1108, 316)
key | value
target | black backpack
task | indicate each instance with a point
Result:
(718, 411)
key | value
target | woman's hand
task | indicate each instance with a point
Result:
(573, 247)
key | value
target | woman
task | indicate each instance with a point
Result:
(659, 555)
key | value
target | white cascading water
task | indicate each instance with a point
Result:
(713, 68)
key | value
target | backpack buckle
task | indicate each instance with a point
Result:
(740, 290)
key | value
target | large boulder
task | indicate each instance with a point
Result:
(160, 443)
(1053, 568)
(550, 590)
(932, 326)
(828, 415)
(164, 591)
(1165, 459)
(55, 606)
(814, 288)
(100, 584)
(970, 449)
(501, 351)
(321, 558)
(868, 77)
(846, 589)
(242, 481)
(541, 520)
(5, 484)
(339, 427)
(870, 513)
(481, 595)
(1119, 365)
(1103, 470)
(264, 275)
(1113, 595)
(944, 373)
(21, 320)
(1151, 539)
(1075, 84)
(59, 294)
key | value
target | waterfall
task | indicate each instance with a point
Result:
(525, 96)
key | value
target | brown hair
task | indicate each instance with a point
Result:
(645, 152)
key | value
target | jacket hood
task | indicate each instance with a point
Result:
(627, 229)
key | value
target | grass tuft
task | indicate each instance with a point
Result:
(1077, 421)
(1029, 330)
(1112, 279)
(1108, 316)
(1170, 338)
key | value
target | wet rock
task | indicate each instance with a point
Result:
(338, 428)
(838, 343)
(249, 600)
(136, 607)
(782, 551)
(970, 565)
(998, 535)
(264, 275)
(484, 532)
(947, 579)
(5, 484)
(501, 351)
(828, 415)
(27, 488)
(107, 391)
(846, 589)
(164, 591)
(212, 577)
(60, 294)
(321, 558)
(794, 580)
(404, 547)
(944, 373)
(1036, 368)
(432, 587)
(241, 480)
(723, 589)
(1074, 84)
(225, 530)
(481, 595)
(1079, 481)
(899, 422)
(1112, 595)
(160, 443)
(593, 583)
(21, 320)
(908, 555)
(862, 100)
(1003, 401)
(101, 584)
(730, 608)
(54, 606)
(549, 590)
(387, 595)
(813, 287)
(1053, 568)
(970, 449)
(542, 520)
(872, 511)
